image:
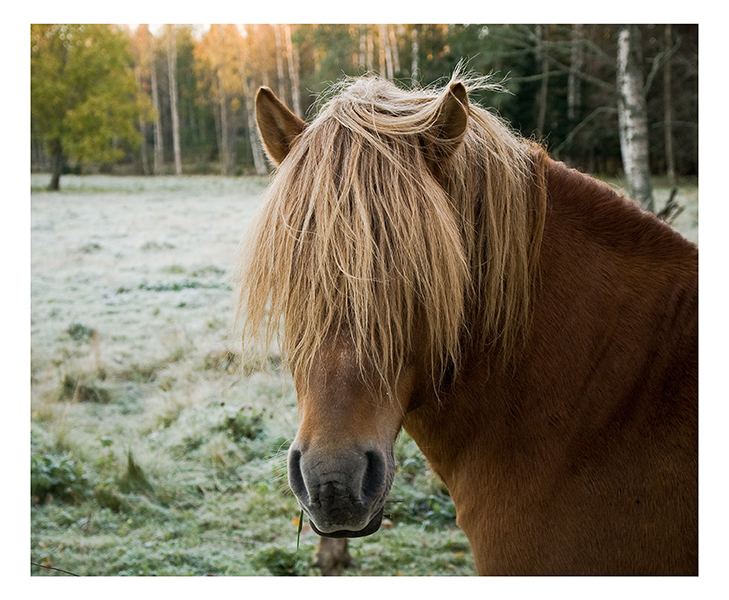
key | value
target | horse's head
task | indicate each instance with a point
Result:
(341, 464)
(384, 289)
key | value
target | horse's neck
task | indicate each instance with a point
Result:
(614, 307)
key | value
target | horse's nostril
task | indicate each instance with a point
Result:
(296, 479)
(374, 476)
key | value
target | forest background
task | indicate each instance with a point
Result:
(178, 99)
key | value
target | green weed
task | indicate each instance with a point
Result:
(80, 332)
(75, 389)
(58, 477)
(134, 478)
(246, 422)
(282, 562)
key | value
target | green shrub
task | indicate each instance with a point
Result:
(134, 479)
(282, 562)
(246, 422)
(60, 478)
(75, 389)
(80, 333)
(107, 497)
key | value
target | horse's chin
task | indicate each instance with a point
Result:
(369, 529)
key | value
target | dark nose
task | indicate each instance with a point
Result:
(340, 491)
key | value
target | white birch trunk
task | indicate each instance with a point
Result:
(158, 144)
(370, 51)
(393, 46)
(668, 111)
(386, 49)
(172, 69)
(280, 64)
(293, 71)
(544, 88)
(142, 125)
(633, 120)
(415, 63)
(362, 48)
(258, 160)
(577, 58)
(224, 145)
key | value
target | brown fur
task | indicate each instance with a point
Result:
(537, 332)
(583, 457)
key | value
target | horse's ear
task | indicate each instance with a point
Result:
(448, 130)
(277, 125)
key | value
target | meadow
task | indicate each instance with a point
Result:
(155, 450)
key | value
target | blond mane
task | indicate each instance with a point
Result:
(356, 235)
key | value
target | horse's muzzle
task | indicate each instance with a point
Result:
(342, 493)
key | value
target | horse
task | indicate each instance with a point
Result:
(426, 268)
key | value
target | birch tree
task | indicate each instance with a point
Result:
(370, 50)
(292, 56)
(577, 59)
(159, 153)
(542, 98)
(140, 52)
(393, 46)
(362, 47)
(281, 88)
(415, 49)
(633, 118)
(172, 74)
(385, 53)
(668, 110)
(259, 161)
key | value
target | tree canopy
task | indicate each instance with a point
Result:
(92, 86)
(84, 99)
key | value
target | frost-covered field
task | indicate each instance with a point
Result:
(106, 249)
(154, 451)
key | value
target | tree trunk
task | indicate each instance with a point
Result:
(279, 64)
(544, 88)
(362, 47)
(57, 165)
(577, 58)
(668, 111)
(224, 145)
(192, 124)
(158, 146)
(386, 51)
(381, 53)
(259, 162)
(393, 46)
(415, 63)
(142, 126)
(370, 50)
(332, 556)
(172, 69)
(633, 119)
(293, 57)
